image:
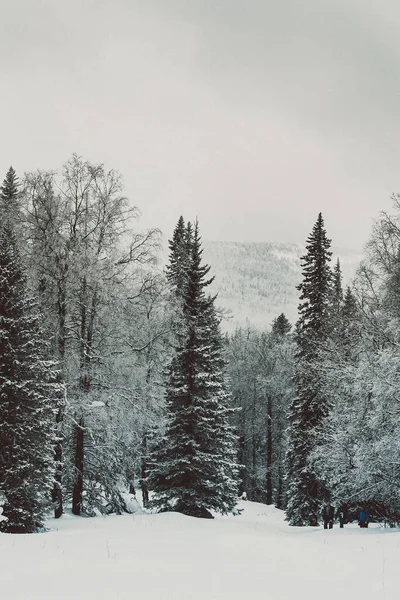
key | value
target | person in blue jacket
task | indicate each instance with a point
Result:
(363, 518)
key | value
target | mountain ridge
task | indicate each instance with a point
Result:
(256, 281)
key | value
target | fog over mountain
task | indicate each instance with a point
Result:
(257, 281)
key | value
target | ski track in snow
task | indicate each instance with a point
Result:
(173, 557)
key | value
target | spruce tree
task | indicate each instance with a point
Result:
(195, 470)
(281, 325)
(10, 206)
(27, 399)
(336, 302)
(309, 406)
(9, 190)
(349, 331)
(177, 268)
(337, 289)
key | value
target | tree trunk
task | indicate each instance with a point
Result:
(85, 384)
(79, 454)
(145, 491)
(143, 483)
(279, 487)
(254, 495)
(243, 486)
(268, 480)
(57, 495)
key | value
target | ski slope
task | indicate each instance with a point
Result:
(173, 557)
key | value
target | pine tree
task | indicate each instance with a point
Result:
(336, 301)
(195, 468)
(309, 406)
(350, 327)
(336, 296)
(337, 288)
(281, 325)
(27, 399)
(9, 191)
(10, 207)
(177, 268)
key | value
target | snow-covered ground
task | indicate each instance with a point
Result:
(172, 557)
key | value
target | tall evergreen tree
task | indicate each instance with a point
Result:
(309, 406)
(195, 469)
(27, 399)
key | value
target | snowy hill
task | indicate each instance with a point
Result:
(257, 281)
(173, 557)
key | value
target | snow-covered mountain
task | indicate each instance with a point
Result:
(257, 281)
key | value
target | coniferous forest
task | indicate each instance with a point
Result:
(116, 377)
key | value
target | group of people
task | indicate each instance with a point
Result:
(328, 515)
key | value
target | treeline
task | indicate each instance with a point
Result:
(114, 372)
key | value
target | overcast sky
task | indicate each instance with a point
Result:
(252, 115)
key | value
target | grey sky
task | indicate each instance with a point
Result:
(253, 115)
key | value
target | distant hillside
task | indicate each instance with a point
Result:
(257, 281)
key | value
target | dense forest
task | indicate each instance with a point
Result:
(115, 377)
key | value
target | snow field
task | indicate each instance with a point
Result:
(173, 557)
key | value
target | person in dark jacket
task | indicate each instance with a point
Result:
(327, 514)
